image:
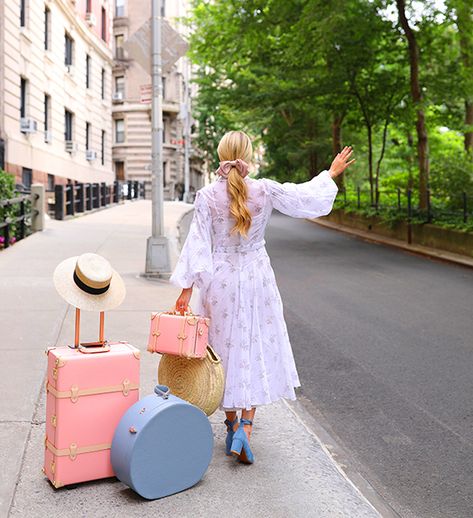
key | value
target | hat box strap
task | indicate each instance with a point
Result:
(77, 330)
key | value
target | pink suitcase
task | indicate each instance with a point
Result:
(181, 335)
(89, 389)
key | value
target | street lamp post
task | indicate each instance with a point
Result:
(157, 250)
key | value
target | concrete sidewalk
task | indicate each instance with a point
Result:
(293, 475)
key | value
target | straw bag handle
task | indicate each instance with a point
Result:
(212, 355)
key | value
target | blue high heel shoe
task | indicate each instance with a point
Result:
(240, 445)
(230, 433)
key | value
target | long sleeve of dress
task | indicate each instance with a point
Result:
(310, 199)
(195, 263)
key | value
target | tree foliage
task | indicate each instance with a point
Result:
(306, 77)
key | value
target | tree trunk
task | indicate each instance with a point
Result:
(464, 21)
(469, 123)
(410, 161)
(416, 94)
(381, 156)
(370, 161)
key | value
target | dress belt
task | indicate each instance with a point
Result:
(240, 248)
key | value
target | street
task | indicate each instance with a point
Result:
(383, 345)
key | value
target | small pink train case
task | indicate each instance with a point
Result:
(181, 335)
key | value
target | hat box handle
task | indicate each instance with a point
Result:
(162, 391)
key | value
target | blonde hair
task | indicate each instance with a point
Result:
(233, 145)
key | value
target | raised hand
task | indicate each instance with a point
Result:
(340, 162)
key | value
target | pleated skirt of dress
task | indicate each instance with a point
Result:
(247, 329)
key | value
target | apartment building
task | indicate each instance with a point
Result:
(132, 111)
(56, 63)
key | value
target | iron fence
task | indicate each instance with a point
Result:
(404, 204)
(73, 199)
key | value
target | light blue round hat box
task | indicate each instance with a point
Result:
(162, 445)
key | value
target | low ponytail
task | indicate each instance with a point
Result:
(234, 145)
(238, 191)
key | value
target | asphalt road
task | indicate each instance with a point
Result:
(383, 341)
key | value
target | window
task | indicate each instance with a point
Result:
(120, 85)
(47, 27)
(103, 83)
(102, 148)
(51, 182)
(23, 87)
(163, 8)
(89, 6)
(26, 178)
(68, 125)
(119, 46)
(104, 24)
(22, 13)
(47, 111)
(120, 8)
(87, 136)
(164, 87)
(69, 42)
(87, 71)
(120, 131)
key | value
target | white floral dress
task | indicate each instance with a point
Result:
(238, 288)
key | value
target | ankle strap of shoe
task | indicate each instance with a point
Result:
(246, 421)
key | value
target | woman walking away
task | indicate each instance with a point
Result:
(224, 255)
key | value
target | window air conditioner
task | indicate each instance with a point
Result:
(90, 155)
(90, 19)
(28, 125)
(71, 146)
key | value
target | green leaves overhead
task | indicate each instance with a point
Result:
(305, 77)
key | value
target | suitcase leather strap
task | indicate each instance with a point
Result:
(75, 393)
(74, 450)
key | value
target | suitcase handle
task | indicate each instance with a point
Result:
(162, 391)
(96, 347)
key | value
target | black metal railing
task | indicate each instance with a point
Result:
(403, 205)
(78, 198)
(15, 218)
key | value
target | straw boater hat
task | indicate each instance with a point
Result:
(89, 282)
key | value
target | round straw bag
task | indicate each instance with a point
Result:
(200, 381)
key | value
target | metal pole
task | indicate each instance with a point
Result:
(157, 121)
(157, 250)
(186, 132)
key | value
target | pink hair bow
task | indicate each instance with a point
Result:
(226, 165)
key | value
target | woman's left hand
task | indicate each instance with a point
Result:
(182, 303)
(341, 162)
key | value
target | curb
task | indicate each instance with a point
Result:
(432, 253)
